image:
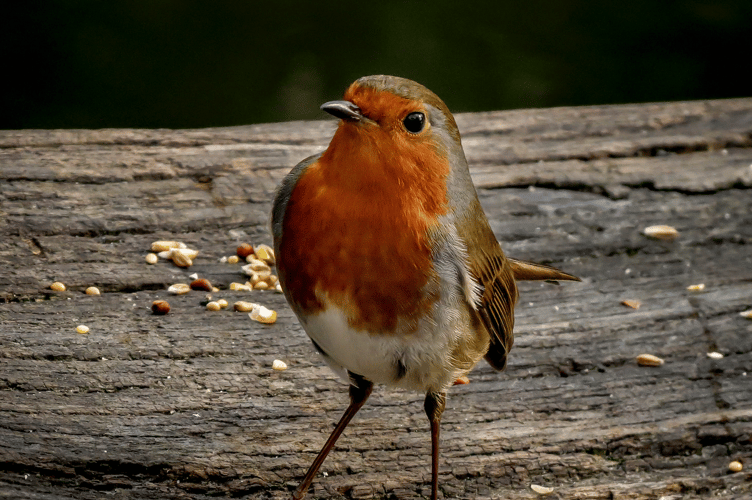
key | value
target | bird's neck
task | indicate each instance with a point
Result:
(372, 164)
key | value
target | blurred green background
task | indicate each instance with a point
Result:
(163, 63)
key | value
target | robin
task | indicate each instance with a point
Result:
(386, 256)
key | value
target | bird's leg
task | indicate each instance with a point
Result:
(359, 392)
(434, 405)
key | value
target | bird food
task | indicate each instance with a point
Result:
(179, 288)
(666, 233)
(201, 284)
(244, 250)
(263, 315)
(163, 246)
(649, 360)
(160, 307)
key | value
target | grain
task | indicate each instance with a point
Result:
(634, 304)
(179, 288)
(242, 306)
(541, 490)
(244, 250)
(661, 232)
(160, 307)
(265, 253)
(263, 315)
(649, 360)
(162, 246)
(201, 284)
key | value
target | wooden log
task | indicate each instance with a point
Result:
(187, 406)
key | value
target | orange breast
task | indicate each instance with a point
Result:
(355, 230)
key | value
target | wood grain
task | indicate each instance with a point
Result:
(187, 405)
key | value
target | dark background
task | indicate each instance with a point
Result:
(170, 63)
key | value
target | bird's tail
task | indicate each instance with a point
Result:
(530, 271)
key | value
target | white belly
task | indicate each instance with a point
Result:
(420, 360)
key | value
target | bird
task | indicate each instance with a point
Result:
(386, 256)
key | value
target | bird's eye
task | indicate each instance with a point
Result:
(414, 122)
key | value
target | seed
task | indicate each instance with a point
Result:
(179, 288)
(166, 254)
(735, 466)
(257, 265)
(279, 365)
(161, 246)
(213, 306)
(541, 490)
(634, 304)
(58, 287)
(272, 280)
(82, 329)
(240, 287)
(261, 285)
(183, 257)
(696, 288)
(265, 253)
(263, 315)
(257, 268)
(222, 303)
(151, 258)
(244, 250)
(666, 233)
(201, 284)
(215, 289)
(241, 306)
(462, 380)
(188, 252)
(181, 260)
(278, 288)
(232, 259)
(746, 314)
(193, 276)
(160, 307)
(649, 360)
(715, 355)
(92, 290)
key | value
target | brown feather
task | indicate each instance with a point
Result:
(490, 267)
(530, 271)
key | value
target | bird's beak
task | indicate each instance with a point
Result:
(344, 110)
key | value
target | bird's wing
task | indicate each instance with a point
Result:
(496, 308)
(498, 291)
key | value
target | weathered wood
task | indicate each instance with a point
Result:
(187, 406)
